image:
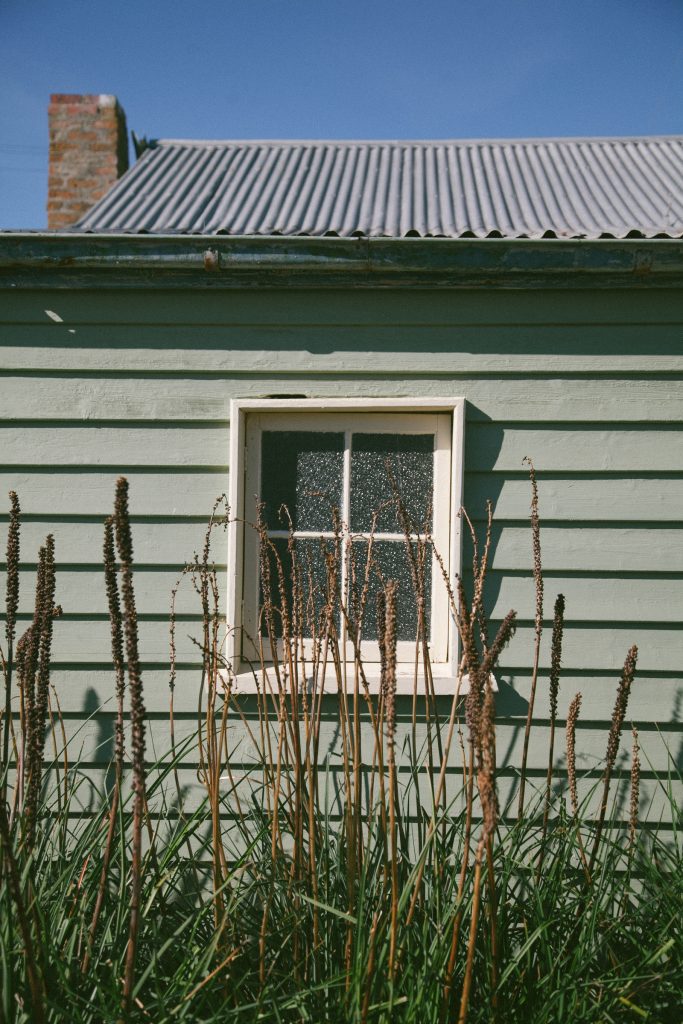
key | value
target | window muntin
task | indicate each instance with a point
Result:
(410, 428)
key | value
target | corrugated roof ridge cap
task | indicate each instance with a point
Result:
(522, 141)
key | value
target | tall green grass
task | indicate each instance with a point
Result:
(384, 884)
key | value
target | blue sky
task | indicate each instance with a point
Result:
(335, 69)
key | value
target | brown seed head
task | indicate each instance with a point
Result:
(620, 706)
(635, 787)
(556, 654)
(572, 716)
(12, 573)
(389, 681)
(536, 546)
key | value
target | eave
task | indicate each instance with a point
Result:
(78, 260)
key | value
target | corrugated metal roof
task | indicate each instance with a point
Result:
(569, 188)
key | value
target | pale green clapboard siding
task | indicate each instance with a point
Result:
(85, 689)
(591, 599)
(54, 395)
(90, 739)
(573, 546)
(334, 306)
(296, 363)
(494, 446)
(653, 810)
(598, 646)
(589, 384)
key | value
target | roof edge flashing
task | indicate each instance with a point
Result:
(77, 259)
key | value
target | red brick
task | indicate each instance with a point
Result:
(88, 152)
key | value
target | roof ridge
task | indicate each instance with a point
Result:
(530, 140)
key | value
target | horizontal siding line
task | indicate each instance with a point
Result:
(101, 468)
(566, 524)
(130, 423)
(669, 627)
(221, 567)
(151, 567)
(588, 673)
(579, 574)
(604, 426)
(98, 520)
(336, 324)
(145, 666)
(346, 375)
(585, 725)
(515, 671)
(87, 373)
(454, 771)
(657, 625)
(163, 617)
(171, 814)
(553, 524)
(499, 474)
(569, 474)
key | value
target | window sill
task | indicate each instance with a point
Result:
(445, 681)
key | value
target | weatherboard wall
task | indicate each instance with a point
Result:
(139, 380)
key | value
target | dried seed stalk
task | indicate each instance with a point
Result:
(389, 690)
(35, 981)
(572, 716)
(124, 544)
(618, 715)
(11, 607)
(116, 624)
(36, 683)
(538, 626)
(555, 668)
(635, 788)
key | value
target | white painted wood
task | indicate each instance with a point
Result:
(442, 417)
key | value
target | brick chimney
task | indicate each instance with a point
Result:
(88, 152)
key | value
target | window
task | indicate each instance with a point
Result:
(337, 466)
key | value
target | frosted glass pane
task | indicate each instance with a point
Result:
(302, 470)
(390, 562)
(410, 459)
(312, 577)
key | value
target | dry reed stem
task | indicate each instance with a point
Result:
(117, 649)
(389, 690)
(538, 626)
(618, 715)
(35, 981)
(474, 921)
(36, 684)
(553, 690)
(572, 716)
(124, 544)
(635, 788)
(11, 608)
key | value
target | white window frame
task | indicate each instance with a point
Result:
(249, 416)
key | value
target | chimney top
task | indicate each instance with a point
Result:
(88, 152)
